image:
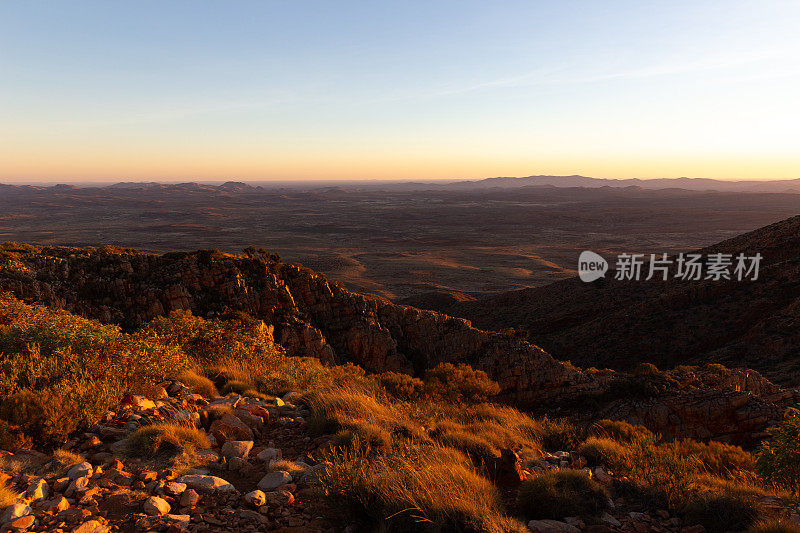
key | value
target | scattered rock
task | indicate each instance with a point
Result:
(80, 470)
(551, 526)
(189, 498)
(207, 483)
(236, 448)
(256, 498)
(273, 480)
(15, 511)
(155, 506)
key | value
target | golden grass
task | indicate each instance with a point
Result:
(560, 493)
(7, 496)
(198, 384)
(423, 488)
(287, 466)
(165, 440)
(64, 459)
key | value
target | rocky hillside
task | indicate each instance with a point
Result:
(311, 314)
(618, 324)
(314, 316)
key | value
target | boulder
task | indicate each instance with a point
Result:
(273, 480)
(206, 483)
(15, 511)
(236, 448)
(80, 470)
(155, 506)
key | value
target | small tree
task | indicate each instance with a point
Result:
(778, 458)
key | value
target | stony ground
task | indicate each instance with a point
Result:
(260, 475)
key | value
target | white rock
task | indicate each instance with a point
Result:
(268, 454)
(12, 512)
(610, 520)
(273, 480)
(155, 506)
(92, 526)
(38, 490)
(256, 498)
(236, 448)
(182, 519)
(207, 483)
(173, 488)
(80, 470)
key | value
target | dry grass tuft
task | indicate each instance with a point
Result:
(423, 489)
(198, 384)
(7, 496)
(560, 493)
(165, 440)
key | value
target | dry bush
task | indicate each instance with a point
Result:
(64, 459)
(59, 372)
(561, 493)
(720, 512)
(400, 386)
(459, 383)
(427, 488)
(165, 440)
(287, 466)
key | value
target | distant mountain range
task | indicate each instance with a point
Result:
(690, 184)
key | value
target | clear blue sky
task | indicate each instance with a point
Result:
(261, 90)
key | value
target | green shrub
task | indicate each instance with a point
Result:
(460, 383)
(561, 493)
(718, 513)
(778, 458)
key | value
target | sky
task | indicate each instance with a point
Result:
(199, 90)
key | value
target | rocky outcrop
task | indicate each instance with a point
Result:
(312, 315)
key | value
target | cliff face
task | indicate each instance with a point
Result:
(312, 315)
(316, 317)
(618, 324)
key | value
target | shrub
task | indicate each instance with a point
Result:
(165, 440)
(720, 512)
(561, 493)
(778, 458)
(59, 372)
(12, 438)
(660, 472)
(287, 466)
(477, 448)
(559, 434)
(460, 383)
(401, 386)
(603, 451)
